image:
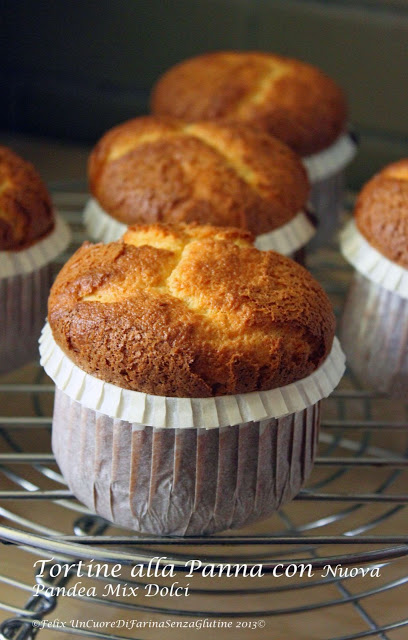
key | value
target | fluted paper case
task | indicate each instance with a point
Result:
(326, 174)
(374, 321)
(25, 282)
(184, 466)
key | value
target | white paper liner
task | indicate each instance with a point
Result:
(14, 263)
(286, 240)
(327, 202)
(164, 412)
(331, 160)
(100, 226)
(371, 263)
(374, 335)
(23, 307)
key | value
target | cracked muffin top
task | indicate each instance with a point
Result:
(287, 98)
(190, 311)
(26, 213)
(162, 170)
(381, 212)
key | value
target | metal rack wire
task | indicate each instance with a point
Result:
(352, 513)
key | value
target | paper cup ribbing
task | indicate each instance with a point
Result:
(182, 481)
(25, 281)
(374, 323)
(326, 175)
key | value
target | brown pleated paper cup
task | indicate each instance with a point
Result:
(23, 307)
(184, 466)
(25, 281)
(374, 323)
(182, 481)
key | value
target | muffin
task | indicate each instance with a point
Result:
(189, 368)
(161, 170)
(375, 318)
(30, 237)
(287, 98)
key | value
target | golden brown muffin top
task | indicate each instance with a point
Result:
(26, 213)
(290, 99)
(190, 311)
(161, 170)
(381, 212)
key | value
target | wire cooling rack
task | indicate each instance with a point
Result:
(351, 516)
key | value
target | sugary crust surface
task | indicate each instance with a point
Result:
(161, 170)
(190, 311)
(290, 99)
(26, 213)
(381, 212)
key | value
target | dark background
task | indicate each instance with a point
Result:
(71, 69)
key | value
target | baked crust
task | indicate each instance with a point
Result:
(26, 213)
(381, 212)
(190, 311)
(161, 170)
(290, 99)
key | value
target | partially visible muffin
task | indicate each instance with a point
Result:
(375, 315)
(381, 212)
(190, 311)
(290, 99)
(26, 213)
(31, 236)
(161, 170)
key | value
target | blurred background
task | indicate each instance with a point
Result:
(70, 70)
